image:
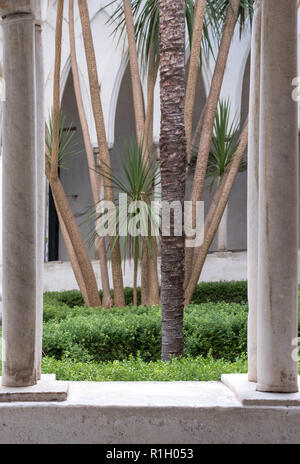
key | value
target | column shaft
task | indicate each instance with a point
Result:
(19, 203)
(278, 200)
(252, 186)
(40, 168)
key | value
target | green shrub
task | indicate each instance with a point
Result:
(231, 292)
(115, 334)
(192, 369)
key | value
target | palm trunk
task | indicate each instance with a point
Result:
(195, 136)
(214, 216)
(56, 90)
(193, 70)
(135, 272)
(63, 207)
(94, 177)
(135, 74)
(73, 259)
(222, 230)
(173, 165)
(119, 298)
(152, 78)
(209, 117)
(144, 273)
(87, 272)
(144, 133)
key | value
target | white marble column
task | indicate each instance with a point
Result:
(278, 200)
(252, 194)
(19, 203)
(40, 137)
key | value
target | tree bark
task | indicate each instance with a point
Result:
(55, 183)
(173, 165)
(73, 259)
(222, 230)
(119, 299)
(209, 117)
(87, 272)
(138, 101)
(56, 90)
(94, 176)
(193, 70)
(215, 214)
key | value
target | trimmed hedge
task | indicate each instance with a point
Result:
(184, 369)
(231, 292)
(115, 334)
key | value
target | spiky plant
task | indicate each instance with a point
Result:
(224, 142)
(140, 179)
(67, 143)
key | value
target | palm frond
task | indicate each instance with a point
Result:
(146, 17)
(140, 178)
(66, 139)
(224, 142)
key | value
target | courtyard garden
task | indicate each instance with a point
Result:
(124, 344)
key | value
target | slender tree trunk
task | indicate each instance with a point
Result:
(135, 74)
(214, 216)
(59, 196)
(173, 165)
(144, 273)
(222, 230)
(56, 91)
(135, 272)
(195, 136)
(94, 176)
(193, 70)
(119, 298)
(209, 118)
(153, 295)
(64, 210)
(152, 78)
(144, 133)
(73, 259)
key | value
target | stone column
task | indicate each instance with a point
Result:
(278, 200)
(40, 137)
(19, 202)
(252, 199)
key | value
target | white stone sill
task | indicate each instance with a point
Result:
(145, 395)
(148, 413)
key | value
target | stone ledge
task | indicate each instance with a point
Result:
(47, 389)
(147, 413)
(246, 393)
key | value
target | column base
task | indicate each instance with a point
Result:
(277, 388)
(252, 378)
(247, 393)
(47, 389)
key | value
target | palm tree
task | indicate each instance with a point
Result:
(199, 16)
(216, 212)
(95, 180)
(51, 166)
(140, 177)
(173, 165)
(104, 156)
(224, 145)
(232, 10)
